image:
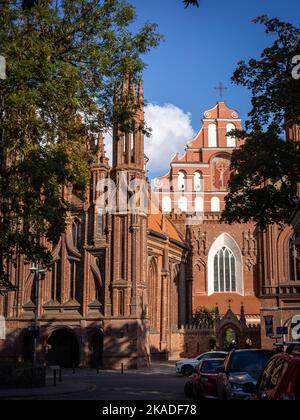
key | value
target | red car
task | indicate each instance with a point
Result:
(280, 380)
(205, 385)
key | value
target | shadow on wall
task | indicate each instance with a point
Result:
(126, 344)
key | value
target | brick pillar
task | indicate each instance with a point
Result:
(164, 310)
(133, 305)
(182, 296)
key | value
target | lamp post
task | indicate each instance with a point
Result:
(37, 270)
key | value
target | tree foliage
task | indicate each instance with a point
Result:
(266, 170)
(64, 59)
(205, 317)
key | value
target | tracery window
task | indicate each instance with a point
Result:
(224, 271)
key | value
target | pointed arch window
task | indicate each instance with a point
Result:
(124, 145)
(132, 146)
(74, 282)
(295, 257)
(77, 233)
(224, 271)
(153, 305)
(56, 281)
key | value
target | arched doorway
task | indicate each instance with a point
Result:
(63, 349)
(27, 346)
(230, 339)
(96, 349)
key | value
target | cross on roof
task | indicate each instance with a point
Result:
(222, 89)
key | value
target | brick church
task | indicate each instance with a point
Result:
(126, 280)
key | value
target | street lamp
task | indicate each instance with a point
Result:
(37, 272)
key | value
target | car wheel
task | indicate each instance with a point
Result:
(187, 370)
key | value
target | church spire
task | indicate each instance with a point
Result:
(101, 155)
(141, 93)
(125, 87)
(132, 90)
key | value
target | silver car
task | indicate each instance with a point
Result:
(241, 368)
(187, 366)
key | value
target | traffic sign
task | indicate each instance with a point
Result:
(282, 330)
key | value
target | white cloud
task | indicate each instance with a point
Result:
(108, 145)
(171, 129)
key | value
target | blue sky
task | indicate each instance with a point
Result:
(202, 47)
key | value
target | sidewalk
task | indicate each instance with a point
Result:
(65, 387)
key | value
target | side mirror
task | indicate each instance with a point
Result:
(249, 388)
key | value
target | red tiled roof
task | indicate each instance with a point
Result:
(155, 224)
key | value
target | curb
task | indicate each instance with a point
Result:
(89, 388)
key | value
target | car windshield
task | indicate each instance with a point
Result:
(250, 361)
(211, 366)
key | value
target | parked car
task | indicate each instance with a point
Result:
(187, 366)
(205, 384)
(280, 379)
(241, 367)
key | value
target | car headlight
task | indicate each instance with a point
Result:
(236, 386)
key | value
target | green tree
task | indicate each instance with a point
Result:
(266, 170)
(64, 59)
(205, 317)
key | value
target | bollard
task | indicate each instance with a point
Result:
(122, 368)
(73, 369)
(98, 370)
(54, 377)
(60, 375)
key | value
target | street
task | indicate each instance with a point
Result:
(160, 382)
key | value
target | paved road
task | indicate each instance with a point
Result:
(158, 383)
